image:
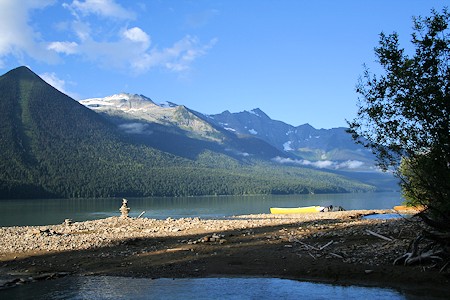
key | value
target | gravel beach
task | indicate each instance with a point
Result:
(338, 247)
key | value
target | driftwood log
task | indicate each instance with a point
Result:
(428, 247)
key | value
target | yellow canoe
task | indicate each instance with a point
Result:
(296, 210)
(410, 209)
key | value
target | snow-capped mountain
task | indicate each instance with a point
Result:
(139, 110)
(300, 145)
(125, 101)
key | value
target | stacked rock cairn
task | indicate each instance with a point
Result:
(124, 209)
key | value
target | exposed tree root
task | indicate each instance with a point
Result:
(427, 248)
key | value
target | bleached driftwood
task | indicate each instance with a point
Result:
(336, 255)
(310, 247)
(444, 267)
(306, 245)
(326, 245)
(379, 235)
(177, 249)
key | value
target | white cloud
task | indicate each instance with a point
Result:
(137, 35)
(54, 81)
(130, 49)
(63, 47)
(103, 8)
(321, 164)
(57, 83)
(135, 128)
(17, 36)
(176, 58)
(351, 164)
(113, 47)
(184, 52)
(82, 30)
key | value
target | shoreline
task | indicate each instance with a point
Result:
(330, 247)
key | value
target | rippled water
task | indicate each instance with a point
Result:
(104, 287)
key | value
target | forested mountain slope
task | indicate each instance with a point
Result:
(52, 146)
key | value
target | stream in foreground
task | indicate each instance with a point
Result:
(104, 287)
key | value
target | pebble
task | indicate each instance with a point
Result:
(114, 230)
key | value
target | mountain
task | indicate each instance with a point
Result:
(243, 135)
(141, 108)
(251, 133)
(167, 126)
(325, 148)
(53, 146)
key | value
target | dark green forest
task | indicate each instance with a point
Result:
(52, 146)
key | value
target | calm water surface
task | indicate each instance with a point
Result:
(104, 287)
(54, 211)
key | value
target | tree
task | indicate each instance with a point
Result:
(403, 116)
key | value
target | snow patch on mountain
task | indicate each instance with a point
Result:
(96, 103)
(290, 131)
(288, 146)
(253, 131)
(125, 101)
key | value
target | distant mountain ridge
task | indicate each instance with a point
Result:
(53, 146)
(331, 148)
(184, 129)
(301, 145)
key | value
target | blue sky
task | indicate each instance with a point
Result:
(298, 61)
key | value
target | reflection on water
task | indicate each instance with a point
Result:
(104, 287)
(54, 211)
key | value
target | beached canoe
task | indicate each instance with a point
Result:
(296, 210)
(410, 209)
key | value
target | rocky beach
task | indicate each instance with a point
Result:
(335, 247)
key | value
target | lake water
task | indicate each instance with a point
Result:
(104, 287)
(54, 211)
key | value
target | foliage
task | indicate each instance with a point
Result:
(403, 114)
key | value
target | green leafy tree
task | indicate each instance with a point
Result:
(403, 117)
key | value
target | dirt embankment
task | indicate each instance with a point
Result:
(338, 247)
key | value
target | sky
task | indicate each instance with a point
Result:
(299, 61)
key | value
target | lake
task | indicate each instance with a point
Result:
(54, 211)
